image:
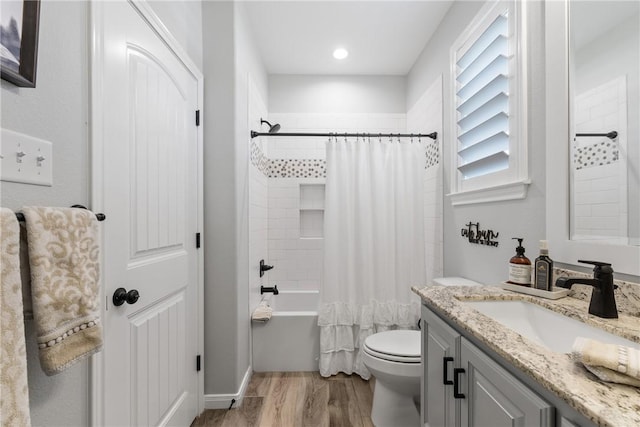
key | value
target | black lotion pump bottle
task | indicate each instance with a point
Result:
(543, 268)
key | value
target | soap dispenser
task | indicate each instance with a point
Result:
(520, 266)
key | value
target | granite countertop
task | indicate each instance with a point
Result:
(606, 404)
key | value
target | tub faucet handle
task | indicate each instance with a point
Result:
(264, 267)
(272, 289)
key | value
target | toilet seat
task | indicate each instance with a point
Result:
(396, 346)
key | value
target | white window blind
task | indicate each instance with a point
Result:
(483, 102)
(489, 145)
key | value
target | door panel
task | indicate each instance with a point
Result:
(150, 192)
(159, 159)
(157, 383)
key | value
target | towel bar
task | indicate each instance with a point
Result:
(99, 216)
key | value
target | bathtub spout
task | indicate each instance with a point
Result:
(274, 289)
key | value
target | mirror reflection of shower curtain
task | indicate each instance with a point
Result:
(374, 246)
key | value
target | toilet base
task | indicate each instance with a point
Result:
(392, 409)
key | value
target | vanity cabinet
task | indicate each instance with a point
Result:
(462, 386)
(441, 350)
(494, 397)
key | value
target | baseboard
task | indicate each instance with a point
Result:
(223, 401)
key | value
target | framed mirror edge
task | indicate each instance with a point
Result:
(624, 259)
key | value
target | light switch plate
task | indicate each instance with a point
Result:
(25, 159)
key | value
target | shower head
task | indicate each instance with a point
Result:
(272, 128)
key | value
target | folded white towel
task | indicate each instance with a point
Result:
(262, 313)
(14, 391)
(64, 256)
(609, 362)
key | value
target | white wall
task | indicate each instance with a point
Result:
(57, 110)
(336, 94)
(231, 65)
(521, 218)
(250, 73)
(220, 241)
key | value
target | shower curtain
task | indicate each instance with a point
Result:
(374, 247)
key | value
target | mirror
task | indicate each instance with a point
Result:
(625, 258)
(604, 99)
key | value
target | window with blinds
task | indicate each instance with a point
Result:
(483, 103)
(489, 142)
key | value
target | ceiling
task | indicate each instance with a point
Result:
(382, 37)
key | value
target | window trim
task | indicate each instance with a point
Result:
(511, 183)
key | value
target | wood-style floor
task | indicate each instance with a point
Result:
(297, 399)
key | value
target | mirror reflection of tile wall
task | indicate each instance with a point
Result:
(605, 96)
(599, 174)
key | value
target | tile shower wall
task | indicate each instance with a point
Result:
(258, 198)
(258, 226)
(297, 260)
(294, 215)
(426, 116)
(599, 172)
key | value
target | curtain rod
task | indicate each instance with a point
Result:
(432, 135)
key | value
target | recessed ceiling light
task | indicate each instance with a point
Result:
(340, 53)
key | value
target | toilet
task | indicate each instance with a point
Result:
(393, 358)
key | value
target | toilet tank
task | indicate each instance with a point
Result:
(454, 281)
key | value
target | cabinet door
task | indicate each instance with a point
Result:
(494, 397)
(440, 357)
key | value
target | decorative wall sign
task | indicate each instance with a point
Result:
(19, 41)
(480, 237)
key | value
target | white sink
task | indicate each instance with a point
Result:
(542, 326)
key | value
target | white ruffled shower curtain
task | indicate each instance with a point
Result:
(374, 246)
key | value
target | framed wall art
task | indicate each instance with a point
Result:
(19, 41)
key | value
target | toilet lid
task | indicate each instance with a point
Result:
(401, 346)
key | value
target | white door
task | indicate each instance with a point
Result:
(150, 190)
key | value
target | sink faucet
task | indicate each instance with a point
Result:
(603, 302)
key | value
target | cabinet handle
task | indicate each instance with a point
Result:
(456, 383)
(445, 370)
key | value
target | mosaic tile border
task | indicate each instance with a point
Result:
(259, 159)
(433, 154)
(297, 168)
(315, 168)
(598, 154)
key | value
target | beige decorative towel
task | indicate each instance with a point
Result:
(262, 313)
(14, 391)
(64, 257)
(609, 362)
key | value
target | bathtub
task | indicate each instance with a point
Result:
(290, 341)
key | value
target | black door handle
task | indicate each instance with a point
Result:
(445, 370)
(120, 296)
(456, 383)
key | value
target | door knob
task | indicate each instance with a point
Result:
(120, 296)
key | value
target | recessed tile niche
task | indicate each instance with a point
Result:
(311, 211)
